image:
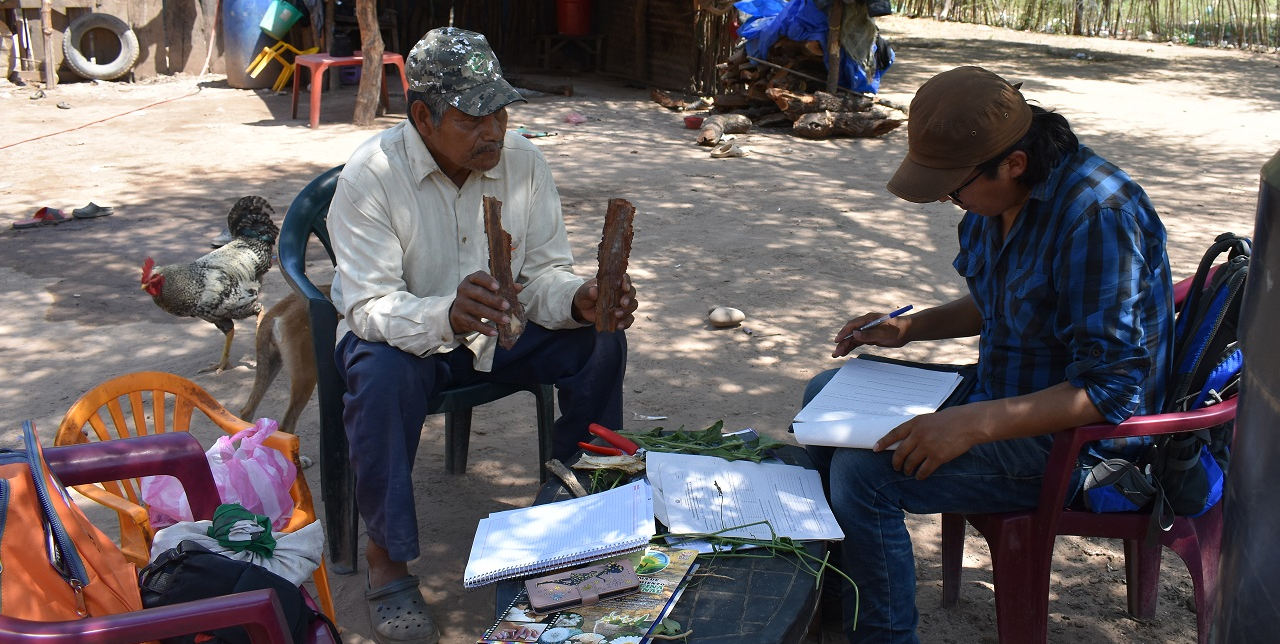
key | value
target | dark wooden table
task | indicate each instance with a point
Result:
(768, 600)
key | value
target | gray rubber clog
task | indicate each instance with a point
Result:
(399, 614)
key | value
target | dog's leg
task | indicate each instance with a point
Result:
(300, 361)
(268, 357)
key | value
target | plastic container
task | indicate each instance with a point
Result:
(243, 39)
(573, 17)
(279, 19)
(693, 122)
(349, 75)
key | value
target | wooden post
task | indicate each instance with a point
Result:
(46, 25)
(834, 18)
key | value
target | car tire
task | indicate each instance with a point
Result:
(87, 68)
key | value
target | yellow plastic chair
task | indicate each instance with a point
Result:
(276, 52)
(152, 402)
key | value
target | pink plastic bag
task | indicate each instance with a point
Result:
(245, 472)
(254, 476)
(166, 502)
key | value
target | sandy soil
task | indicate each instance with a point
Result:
(800, 235)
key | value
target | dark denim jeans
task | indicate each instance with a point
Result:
(870, 499)
(386, 405)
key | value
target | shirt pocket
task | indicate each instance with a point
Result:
(1029, 301)
(969, 265)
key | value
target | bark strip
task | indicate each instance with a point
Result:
(500, 270)
(615, 249)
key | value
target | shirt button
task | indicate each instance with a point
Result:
(464, 240)
(444, 338)
(1096, 352)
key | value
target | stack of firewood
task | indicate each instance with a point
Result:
(787, 89)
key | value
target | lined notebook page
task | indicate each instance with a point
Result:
(867, 399)
(554, 535)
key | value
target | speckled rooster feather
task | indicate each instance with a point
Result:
(222, 286)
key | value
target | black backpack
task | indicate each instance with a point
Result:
(1182, 474)
(189, 571)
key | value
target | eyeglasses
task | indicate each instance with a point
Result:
(955, 194)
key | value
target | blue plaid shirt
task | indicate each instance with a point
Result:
(1079, 291)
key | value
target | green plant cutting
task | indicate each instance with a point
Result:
(708, 442)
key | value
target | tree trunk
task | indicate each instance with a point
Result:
(368, 97)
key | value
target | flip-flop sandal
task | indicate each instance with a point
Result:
(92, 210)
(45, 216)
(728, 150)
(399, 614)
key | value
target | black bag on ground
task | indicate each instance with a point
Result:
(189, 571)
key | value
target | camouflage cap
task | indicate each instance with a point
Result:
(460, 66)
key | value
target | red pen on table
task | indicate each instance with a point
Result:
(620, 444)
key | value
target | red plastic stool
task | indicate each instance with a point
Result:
(317, 64)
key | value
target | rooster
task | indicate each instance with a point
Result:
(223, 286)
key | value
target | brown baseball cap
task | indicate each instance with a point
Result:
(958, 120)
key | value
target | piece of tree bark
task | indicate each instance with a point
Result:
(369, 93)
(664, 99)
(545, 88)
(796, 105)
(717, 125)
(615, 249)
(500, 270)
(821, 125)
(567, 478)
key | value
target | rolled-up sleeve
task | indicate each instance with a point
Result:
(1099, 314)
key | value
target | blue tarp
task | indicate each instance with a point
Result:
(799, 20)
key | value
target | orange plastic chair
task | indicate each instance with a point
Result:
(152, 402)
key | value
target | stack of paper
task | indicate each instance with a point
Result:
(557, 535)
(866, 399)
(705, 494)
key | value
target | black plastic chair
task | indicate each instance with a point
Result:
(307, 216)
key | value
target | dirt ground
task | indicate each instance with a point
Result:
(801, 235)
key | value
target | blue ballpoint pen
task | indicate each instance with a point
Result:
(880, 320)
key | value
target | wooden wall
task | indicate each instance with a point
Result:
(671, 44)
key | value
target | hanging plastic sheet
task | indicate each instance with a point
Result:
(800, 20)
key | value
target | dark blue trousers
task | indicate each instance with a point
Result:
(386, 405)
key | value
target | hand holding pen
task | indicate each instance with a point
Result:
(865, 327)
(878, 321)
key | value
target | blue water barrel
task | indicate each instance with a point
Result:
(243, 40)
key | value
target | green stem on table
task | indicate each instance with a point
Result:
(774, 545)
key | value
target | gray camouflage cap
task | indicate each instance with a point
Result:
(460, 66)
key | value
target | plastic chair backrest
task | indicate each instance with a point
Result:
(153, 402)
(307, 216)
(1022, 542)
(174, 454)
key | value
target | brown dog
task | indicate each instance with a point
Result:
(284, 340)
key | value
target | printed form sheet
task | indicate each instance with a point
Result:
(705, 494)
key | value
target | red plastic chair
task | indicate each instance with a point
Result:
(177, 454)
(1022, 542)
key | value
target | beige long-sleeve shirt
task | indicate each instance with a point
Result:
(405, 236)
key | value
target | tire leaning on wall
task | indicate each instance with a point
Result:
(110, 70)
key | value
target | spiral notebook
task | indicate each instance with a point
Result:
(545, 537)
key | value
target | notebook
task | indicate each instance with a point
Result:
(545, 537)
(868, 398)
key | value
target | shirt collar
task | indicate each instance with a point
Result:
(1044, 190)
(421, 161)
